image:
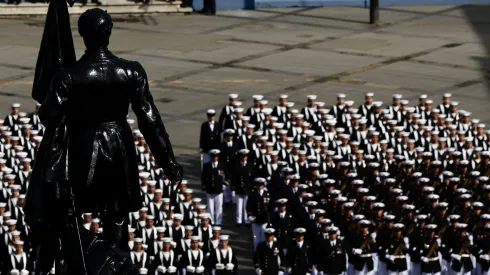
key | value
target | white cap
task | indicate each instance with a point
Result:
(224, 237)
(233, 95)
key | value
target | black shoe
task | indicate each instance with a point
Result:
(238, 225)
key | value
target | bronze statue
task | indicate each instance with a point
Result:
(94, 167)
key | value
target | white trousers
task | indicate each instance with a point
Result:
(241, 211)
(351, 270)
(478, 270)
(215, 208)
(398, 273)
(437, 273)
(382, 268)
(258, 232)
(462, 272)
(414, 268)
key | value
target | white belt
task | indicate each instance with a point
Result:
(400, 257)
(464, 255)
(365, 255)
(434, 259)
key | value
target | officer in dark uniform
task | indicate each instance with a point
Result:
(257, 209)
(210, 137)
(300, 254)
(241, 185)
(213, 181)
(228, 150)
(282, 221)
(268, 257)
(209, 7)
(334, 257)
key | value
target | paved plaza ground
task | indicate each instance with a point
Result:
(194, 62)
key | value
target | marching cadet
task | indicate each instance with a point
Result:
(213, 242)
(185, 208)
(165, 261)
(241, 185)
(18, 259)
(222, 260)
(397, 251)
(268, 257)
(257, 209)
(227, 111)
(176, 231)
(139, 257)
(213, 183)
(460, 250)
(361, 255)
(334, 257)
(210, 137)
(193, 261)
(205, 231)
(12, 120)
(483, 253)
(430, 250)
(185, 243)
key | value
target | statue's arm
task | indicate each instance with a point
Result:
(52, 108)
(151, 125)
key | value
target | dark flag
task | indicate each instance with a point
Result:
(57, 50)
(47, 190)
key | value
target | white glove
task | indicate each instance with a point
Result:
(258, 271)
(487, 257)
(200, 269)
(357, 251)
(280, 273)
(220, 266)
(251, 218)
(470, 238)
(438, 242)
(229, 266)
(425, 259)
(456, 257)
(233, 193)
(307, 273)
(172, 269)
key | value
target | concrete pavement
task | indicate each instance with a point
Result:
(195, 61)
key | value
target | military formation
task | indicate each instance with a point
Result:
(171, 234)
(375, 188)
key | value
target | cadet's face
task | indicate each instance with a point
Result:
(143, 215)
(11, 227)
(19, 248)
(138, 246)
(205, 222)
(215, 158)
(369, 100)
(195, 245)
(150, 223)
(166, 246)
(223, 244)
(15, 111)
(130, 236)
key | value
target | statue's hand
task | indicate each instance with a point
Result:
(174, 172)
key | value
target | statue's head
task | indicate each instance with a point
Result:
(95, 26)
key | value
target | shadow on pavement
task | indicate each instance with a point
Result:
(478, 18)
